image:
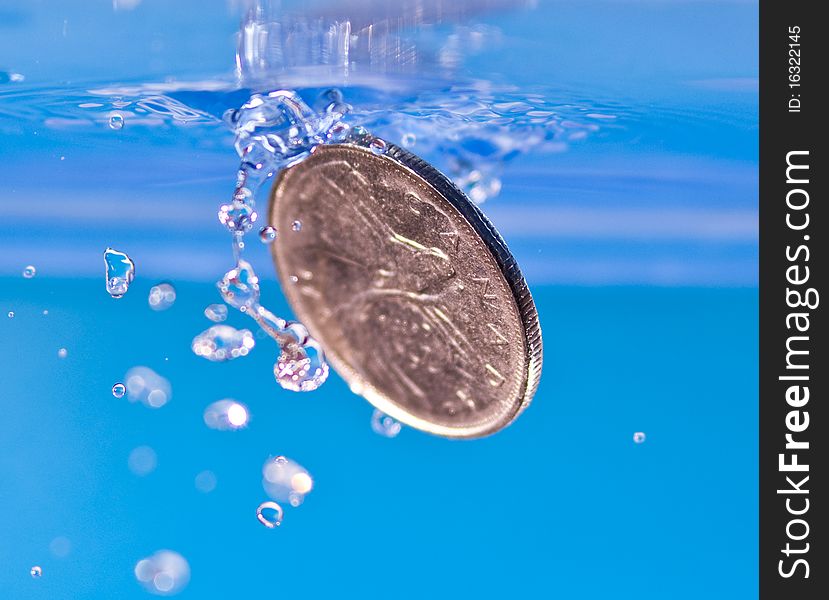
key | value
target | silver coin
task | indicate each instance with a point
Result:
(413, 294)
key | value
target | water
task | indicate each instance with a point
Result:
(634, 232)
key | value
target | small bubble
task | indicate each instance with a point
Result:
(118, 390)
(10, 314)
(296, 226)
(162, 296)
(206, 482)
(35, 572)
(63, 353)
(378, 146)
(280, 460)
(60, 547)
(384, 425)
(29, 271)
(408, 140)
(216, 312)
(267, 234)
(116, 121)
(142, 461)
(45, 312)
(269, 514)
(638, 437)
(148, 387)
(285, 480)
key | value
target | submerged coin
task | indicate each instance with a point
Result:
(415, 297)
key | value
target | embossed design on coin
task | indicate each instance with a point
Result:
(414, 296)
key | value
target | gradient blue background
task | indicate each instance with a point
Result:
(639, 244)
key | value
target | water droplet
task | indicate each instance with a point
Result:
(164, 573)
(142, 461)
(240, 286)
(296, 226)
(148, 387)
(301, 368)
(267, 234)
(269, 514)
(29, 271)
(378, 146)
(286, 480)
(638, 437)
(162, 296)
(384, 425)
(119, 390)
(35, 572)
(10, 314)
(408, 140)
(226, 415)
(222, 342)
(120, 271)
(206, 482)
(63, 353)
(216, 312)
(237, 216)
(116, 121)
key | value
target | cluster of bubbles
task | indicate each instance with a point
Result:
(384, 425)
(120, 271)
(162, 296)
(164, 573)
(146, 386)
(285, 480)
(272, 132)
(226, 415)
(221, 343)
(216, 312)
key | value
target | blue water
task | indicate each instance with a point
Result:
(638, 240)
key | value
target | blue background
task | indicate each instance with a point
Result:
(639, 244)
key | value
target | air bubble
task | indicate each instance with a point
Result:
(206, 482)
(226, 415)
(10, 314)
(119, 390)
(162, 296)
(142, 461)
(240, 286)
(408, 140)
(269, 514)
(296, 226)
(285, 480)
(216, 312)
(63, 353)
(29, 271)
(301, 368)
(120, 271)
(639, 437)
(36, 572)
(378, 146)
(148, 387)
(237, 216)
(116, 121)
(164, 573)
(267, 234)
(222, 343)
(384, 425)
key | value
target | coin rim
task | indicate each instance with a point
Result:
(528, 315)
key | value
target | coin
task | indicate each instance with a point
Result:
(412, 293)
